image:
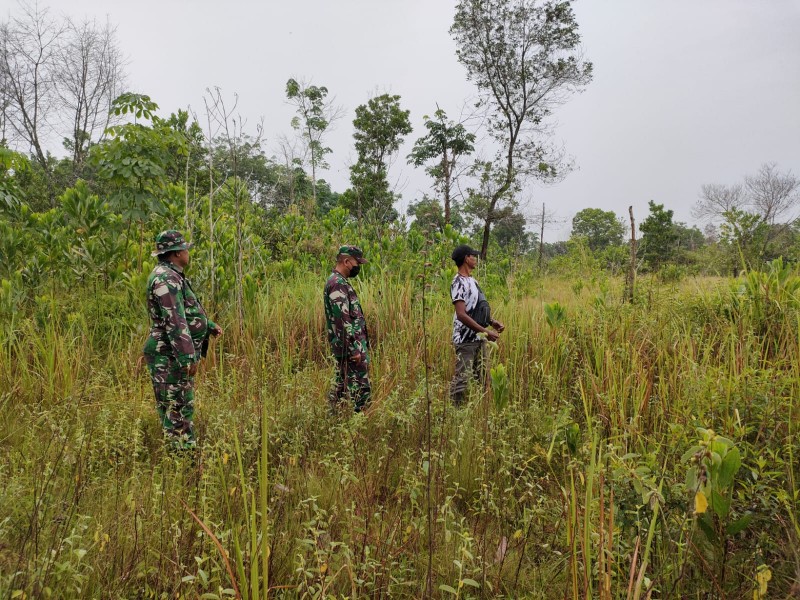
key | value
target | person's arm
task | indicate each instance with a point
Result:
(214, 328)
(497, 325)
(463, 316)
(343, 325)
(169, 295)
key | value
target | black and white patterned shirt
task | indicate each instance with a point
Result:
(466, 290)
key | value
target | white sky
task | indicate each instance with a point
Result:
(685, 92)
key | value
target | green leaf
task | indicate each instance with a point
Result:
(689, 453)
(691, 479)
(720, 504)
(704, 523)
(739, 524)
(448, 589)
(471, 582)
(716, 460)
(730, 465)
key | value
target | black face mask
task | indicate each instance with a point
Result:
(354, 271)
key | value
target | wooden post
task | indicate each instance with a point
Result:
(630, 277)
(541, 239)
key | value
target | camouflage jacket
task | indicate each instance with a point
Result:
(179, 323)
(347, 328)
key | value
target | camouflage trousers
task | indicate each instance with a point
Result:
(174, 393)
(470, 361)
(352, 379)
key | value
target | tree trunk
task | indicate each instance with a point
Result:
(186, 221)
(487, 227)
(446, 173)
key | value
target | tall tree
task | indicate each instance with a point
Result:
(445, 142)
(524, 56)
(379, 129)
(29, 46)
(601, 228)
(88, 75)
(660, 236)
(316, 113)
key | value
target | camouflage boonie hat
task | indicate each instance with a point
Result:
(353, 251)
(170, 240)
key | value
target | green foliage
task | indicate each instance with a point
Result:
(659, 242)
(601, 228)
(12, 164)
(715, 462)
(428, 215)
(744, 235)
(379, 129)
(444, 144)
(500, 387)
(522, 57)
(135, 159)
(314, 118)
(555, 314)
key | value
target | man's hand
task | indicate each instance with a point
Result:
(358, 357)
(190, 370)
(498, 326)
(492, 336)
(216, 330)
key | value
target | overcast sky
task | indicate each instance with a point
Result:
(685, 92)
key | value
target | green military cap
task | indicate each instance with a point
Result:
(170, 240)
(353, 251)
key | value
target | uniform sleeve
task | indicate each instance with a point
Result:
(169, 296)
(342, 321)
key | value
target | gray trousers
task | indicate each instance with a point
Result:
(470, 361)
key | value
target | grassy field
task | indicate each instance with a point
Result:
(623, 451)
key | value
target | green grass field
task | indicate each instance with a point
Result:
(647, 450)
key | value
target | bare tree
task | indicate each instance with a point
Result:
(29, 47)
(769, 194)
(232, 131)
(773, 195)
(716, 199)
(88, 75)
(292, 156)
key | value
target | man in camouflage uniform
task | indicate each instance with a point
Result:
(347, 331)
(178, 335)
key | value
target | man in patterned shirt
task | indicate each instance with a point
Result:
(179, 330)
(470, 320)
(347, 331)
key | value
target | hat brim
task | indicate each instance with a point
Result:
(184, 246)
(361, 261)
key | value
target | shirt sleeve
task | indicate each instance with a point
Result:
(170, 298)
(458, 291)
(342, 320)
